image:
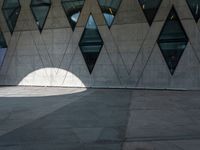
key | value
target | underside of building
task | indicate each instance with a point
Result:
(153, 44)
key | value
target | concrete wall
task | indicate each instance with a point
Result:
(130, 56)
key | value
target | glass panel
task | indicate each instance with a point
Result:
(11, 10)
(173, 29)
(11, 4)
(40, 10)
(41, 2)
(172, 40)
(109, 18)
(150, 8)
(2, 41)
(109, 9)
(195, 8)
(72, 10)
(91, 43)
(3, 48)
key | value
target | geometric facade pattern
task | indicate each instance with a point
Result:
(72, 10)
(194, 6)
(91, 43)
(150, 8)
(172, 40)
(109, 9)
(40, 10)
(11, 10)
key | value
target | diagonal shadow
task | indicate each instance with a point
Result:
(95, 121)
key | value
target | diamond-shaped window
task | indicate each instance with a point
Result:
(3, 48)
(73, 10)
(150, 8)
(195, 8)
(40, 10)
(11, 10)
(109, 9)
(172, 40)
(91, 43)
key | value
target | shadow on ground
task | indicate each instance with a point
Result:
(93, 120)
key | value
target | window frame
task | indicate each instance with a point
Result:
(172, 40)
(69, 19)
(150, 22)
(109, 26)
(93, 44)
(194, 16)
(7, 19)
(35, 18)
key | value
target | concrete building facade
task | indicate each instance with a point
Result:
(130, 56)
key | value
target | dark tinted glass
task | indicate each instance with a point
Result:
(172, 40)
(109, 9)
(72, 10)
(40, 10)
(195, 8)
(91, 43)
(11, 10)
(3, 48)
(150, 8)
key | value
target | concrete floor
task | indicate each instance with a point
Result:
(35, 118)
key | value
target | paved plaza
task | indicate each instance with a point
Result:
(44, 118)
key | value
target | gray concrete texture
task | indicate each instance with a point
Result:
(35, 118)
(130, 56)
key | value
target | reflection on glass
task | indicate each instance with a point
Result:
(75, 17)
(195, 8)
(40, 10)
(91, 43)
(72, 10)
(172, 40)
(150, 8)
(109, 18)
(109, 9)
(11, 10)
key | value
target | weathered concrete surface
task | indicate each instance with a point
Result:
(35, 118)
(164, 120)
(92, 119)
(130, 56)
